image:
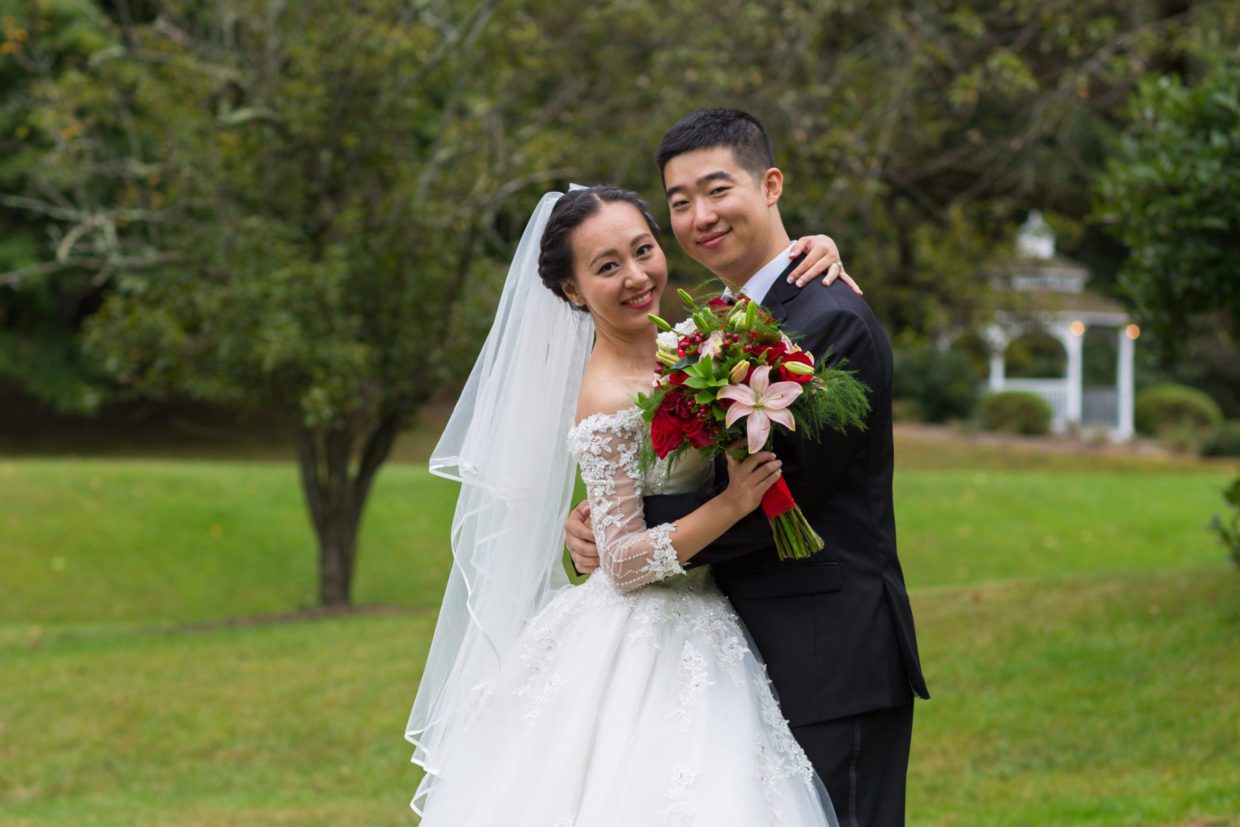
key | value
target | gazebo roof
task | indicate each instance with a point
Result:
(1086, 306)
(1038, 282)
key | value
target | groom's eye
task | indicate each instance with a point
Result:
(718, 190)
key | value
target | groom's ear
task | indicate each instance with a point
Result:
(772, 186)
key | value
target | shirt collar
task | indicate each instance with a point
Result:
(760, 283)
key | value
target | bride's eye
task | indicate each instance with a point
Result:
(645, 250)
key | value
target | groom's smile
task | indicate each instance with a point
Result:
(712, 240)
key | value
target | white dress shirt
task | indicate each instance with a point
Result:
(760, 283)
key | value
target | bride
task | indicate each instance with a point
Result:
(634, 699)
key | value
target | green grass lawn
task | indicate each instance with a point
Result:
(1077, 624)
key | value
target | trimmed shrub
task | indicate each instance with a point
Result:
(1016, 412)
(1223, 441)
(934, 384)
(1175, 408)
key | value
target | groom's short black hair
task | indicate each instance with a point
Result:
(711, 128)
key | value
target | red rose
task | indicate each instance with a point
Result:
(678, 378)
(699, 432)
(774, 353)
(788, 376)
(679, 405)
(666, 431)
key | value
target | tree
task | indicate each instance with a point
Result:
(307, 207)
(1171, 193)
(322, 172)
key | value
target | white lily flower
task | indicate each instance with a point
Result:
(710, 348)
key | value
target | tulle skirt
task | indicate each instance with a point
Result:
(627, 710)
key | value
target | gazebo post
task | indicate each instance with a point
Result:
(1074, 342)
(1071, 335)
(1124, 383)
(998, 348)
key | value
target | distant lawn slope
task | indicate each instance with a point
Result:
(155, 541)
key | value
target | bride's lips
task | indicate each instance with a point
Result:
(713, 240)
(641, 301)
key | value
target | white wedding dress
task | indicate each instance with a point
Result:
(632, 700)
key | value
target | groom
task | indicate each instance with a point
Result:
(835, 630)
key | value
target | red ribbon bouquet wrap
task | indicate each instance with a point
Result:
(729, 373)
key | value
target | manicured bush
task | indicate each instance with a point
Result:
(938, 385)
(1016, 412)
(1166, 408)
(1223, 441)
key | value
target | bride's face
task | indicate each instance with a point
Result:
(619, 271)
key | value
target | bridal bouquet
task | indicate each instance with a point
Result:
(728, 373)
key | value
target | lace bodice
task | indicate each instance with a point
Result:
(606, 447)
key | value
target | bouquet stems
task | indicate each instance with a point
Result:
(795, 538)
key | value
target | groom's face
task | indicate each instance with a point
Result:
(721, 214)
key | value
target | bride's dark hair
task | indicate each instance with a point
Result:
(555, 258)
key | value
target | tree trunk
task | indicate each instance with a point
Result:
(336, 489)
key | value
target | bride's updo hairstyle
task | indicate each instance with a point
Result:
(555, 259)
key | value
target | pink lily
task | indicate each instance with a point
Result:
(762, 402)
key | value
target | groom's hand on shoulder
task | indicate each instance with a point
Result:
(579, 537)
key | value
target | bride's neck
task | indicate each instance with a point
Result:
(628, 353)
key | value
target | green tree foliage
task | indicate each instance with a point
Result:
(314, 218)
(306, 207)
(1227, 525)
(1171, 192)
(938, 385)
(55, 252)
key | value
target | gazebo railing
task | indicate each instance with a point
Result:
(1100, 406)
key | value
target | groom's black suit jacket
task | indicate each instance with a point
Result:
(835, 630)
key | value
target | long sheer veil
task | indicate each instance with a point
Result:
(505, 444)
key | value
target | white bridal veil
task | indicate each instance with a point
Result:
(505, 444)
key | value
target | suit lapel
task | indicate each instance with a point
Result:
(782, 293)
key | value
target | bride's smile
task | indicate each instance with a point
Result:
(642, 301)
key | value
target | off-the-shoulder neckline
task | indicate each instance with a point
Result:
(602, 416)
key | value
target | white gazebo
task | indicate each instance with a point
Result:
(1043, 292)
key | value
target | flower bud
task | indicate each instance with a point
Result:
(739, 372)
(799, 368)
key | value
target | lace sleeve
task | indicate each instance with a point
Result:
(633, 555)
